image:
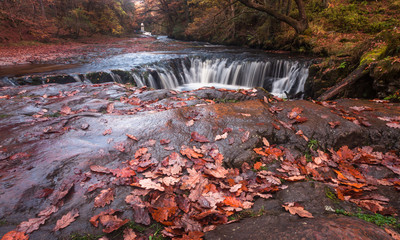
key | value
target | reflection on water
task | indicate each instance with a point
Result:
(27, 69)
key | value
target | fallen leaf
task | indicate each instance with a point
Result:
(395, 235)
(129, 234)
(360, 109)
(190, 123)
(165, 141)
(393, 124)
(245, 136)
(299, 210)
(65, 110)
(199, 138)
(334, 124)
(123, 173)
(132, 137)
(110, 108)
(107, 132)
(233, 202)
(294, 113)
(31, 225)
(265, 141)
(220, 137)
(105, 197)
(190, 181)
(95, 219)
(99, 169)
(258, 165)
(66, 220)
(149, 184)
(190, 153)
(14, 235)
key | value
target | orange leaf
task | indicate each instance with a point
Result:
(260, 151)
(299, 210)
(131, 137)
(14, 235)
(258, 165)
(123, 173)
(233, 202)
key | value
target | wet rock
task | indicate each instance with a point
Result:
(99, 77)
(125, 76)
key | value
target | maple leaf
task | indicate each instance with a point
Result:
(123, 173)
(15, 235)
(66, 220)
(233, 202)
(293, 208)
(130, 136)
(199, 138)
(245, 136)
(148, 184)
(31, 225)
(129, 234)
(220, 137)
(105, 197)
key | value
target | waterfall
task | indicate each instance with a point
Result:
(276, 75)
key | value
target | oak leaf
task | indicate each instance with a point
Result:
(199, 138)
(66, 220)
(393, 124)
(31, 225)
(129, 234)
(95, 219)
(124, 172)
(293, 208)
(233, 202)
(105, 197)
(190, 153)
(148, 184)
(65, 110)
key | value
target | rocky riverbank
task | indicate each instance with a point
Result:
(192, 161)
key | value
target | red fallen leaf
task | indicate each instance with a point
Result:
(191, 181)
(105, 197)
(112, 223)
(165, 141)
(245, 136)
(140, 212)
(334, 124)
(110, 108)
(218, 172)
(190, 153)
(99, 169)
(148, 184)
(149, 143)
(94, 220)
(107, 132)
(393, 124)
(258, 165)
(132, 137)
(294, 113)
(96, 186)
(345, 153)
(31, 225)
(5, 97)
(66, 220)
(301, 134)
(140, 152)
(65, 110)
(299, 119)
(14, 235)
(276, 126)
(123, 173)
(233, 202)
(48, 211)
(293, 208)
(261, 152)
(129, 234)
(20, 155)
(199, 138)
(286, 125)
(265, 141)
(274, 109)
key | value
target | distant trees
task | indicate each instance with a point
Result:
(40, 19)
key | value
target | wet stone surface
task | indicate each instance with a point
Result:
(51, 136)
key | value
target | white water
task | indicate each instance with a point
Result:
(277, 75)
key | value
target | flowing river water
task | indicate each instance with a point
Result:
(200, 65)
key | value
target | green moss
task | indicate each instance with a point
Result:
(375, 54)
(331, 195)
(77, 236)
(377, 219)
(5, 116)
(246, 214)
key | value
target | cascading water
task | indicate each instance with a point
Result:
(277, 76)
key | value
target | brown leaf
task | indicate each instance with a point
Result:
(120, 146)
(140, 212)
(110, 108)
(360, 109)
(107, 132)
(123, 173)
(65, 110)
(220, 137)
(299, 210)
(105, 197)
(130, 136)
(95, 219)
(334, 124)
(14, 235)
(274, 109)
(393, 124)
(190, 153)
(148, 184)
(191, 181)
(233, 202)
(190, 123)
(165, 141)
(265, 141)
(31, 225)
(395, 235)
(199, 138)
(66, 220)
(48, 211)
(129, 234)
(99, 169)
(112, 223)
(140, 152)
(245, 136)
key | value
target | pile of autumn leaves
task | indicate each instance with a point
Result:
(191, 192)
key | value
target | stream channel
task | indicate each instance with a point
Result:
(199, 65)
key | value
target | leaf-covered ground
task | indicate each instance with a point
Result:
(105, 159)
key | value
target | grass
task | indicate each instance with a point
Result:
(376, 218)
(246, 214)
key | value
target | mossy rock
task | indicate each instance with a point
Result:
(386, 76)
(374, 55)
(99, 77)
(125, 76)
(62, 79)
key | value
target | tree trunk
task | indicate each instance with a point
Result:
(345, 83)
(299, 25)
